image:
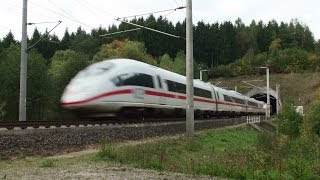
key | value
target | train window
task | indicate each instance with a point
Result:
(176, 87)
(239, 101)
(227, 98)
(159, 81)
(253, 104)
(172, 86)
(181, 88)
(134, 79)
(202, 93)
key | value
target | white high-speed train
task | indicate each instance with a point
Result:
(125, 86)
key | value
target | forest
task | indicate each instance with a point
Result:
(229, 49)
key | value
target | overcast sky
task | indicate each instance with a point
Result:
(94, 13)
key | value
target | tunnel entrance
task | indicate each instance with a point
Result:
(260, 94)
(273, 101)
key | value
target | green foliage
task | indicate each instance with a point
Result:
(197, 155)
(85, 44)
(107, 150)
(314, 115)
(222, 71)
(290, 60)
(37, 83)
(64, 66)
(166, 62)
(180, 63)
(124, 49)
(47, 163)
(193, 144)
(2, 110)
(289, 121)
(239, 153)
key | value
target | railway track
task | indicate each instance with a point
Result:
(92, 122)
(48, 141)
(77, 123)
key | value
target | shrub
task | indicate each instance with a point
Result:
(290, 121)
(314, 116)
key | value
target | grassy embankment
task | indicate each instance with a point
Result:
(239, 153)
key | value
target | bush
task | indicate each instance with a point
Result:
(314, 116)
(290, 121)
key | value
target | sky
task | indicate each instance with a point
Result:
(92, 14)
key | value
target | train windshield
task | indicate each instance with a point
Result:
(95, 70)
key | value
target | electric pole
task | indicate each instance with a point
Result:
(189, 70)
(268, 94)
(23, 67)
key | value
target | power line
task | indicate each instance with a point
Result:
(135, 29)
(61, 9)
(168, 34)
(74, 20)
(183, 3)
(49, 22)
(68, 13)
(45, 35)
(91, 10)
(176, 2)
(153, 12)
(108, 34)
(102, 10)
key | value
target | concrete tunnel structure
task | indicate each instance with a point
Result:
(260, 94)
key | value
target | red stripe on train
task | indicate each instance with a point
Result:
(147, 92)
(124, 91)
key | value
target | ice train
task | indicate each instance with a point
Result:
(130, 87)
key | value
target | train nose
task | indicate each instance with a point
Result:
(74, 95)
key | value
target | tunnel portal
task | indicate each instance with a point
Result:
(260, 94)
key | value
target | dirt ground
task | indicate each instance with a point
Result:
(80, 165)
(86, 171)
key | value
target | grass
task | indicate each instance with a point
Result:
(214, 153)
(239, 153)
(47, 163)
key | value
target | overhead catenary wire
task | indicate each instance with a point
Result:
(168, 34)
(176, 2)
(134, 29)
(108, 34)
(182, 7)
(66, 12)
(45, 35)
(93, 10)
(49, 22)
(98, 8)
(72, 19)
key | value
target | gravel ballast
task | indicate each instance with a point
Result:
(45, 142)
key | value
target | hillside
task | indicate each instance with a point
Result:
(300, 87)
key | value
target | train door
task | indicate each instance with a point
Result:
(162, 99)
(216, 99)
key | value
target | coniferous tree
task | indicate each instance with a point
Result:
(65, 41)
(8, 40)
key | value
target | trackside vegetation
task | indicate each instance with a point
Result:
(240, 153)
